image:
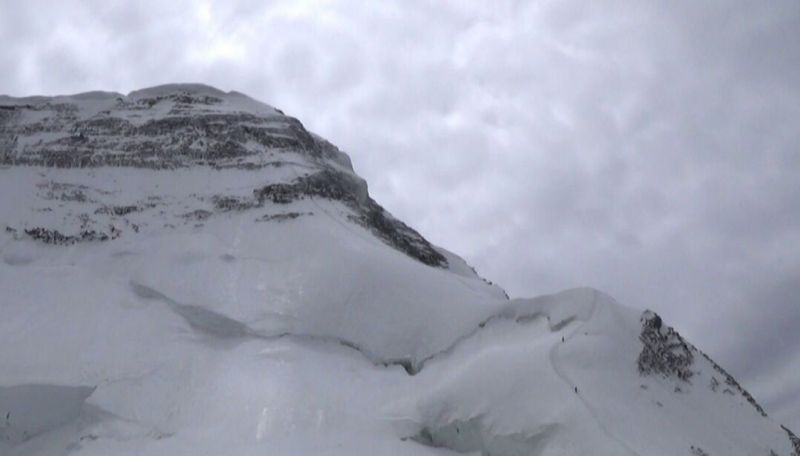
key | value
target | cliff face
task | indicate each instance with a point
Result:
(184, 126)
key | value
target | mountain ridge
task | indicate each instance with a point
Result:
(197, 125)
(188, 270)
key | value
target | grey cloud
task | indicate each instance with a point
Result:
(774, 348)
(766, 344)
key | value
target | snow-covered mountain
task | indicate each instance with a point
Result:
(185, 271)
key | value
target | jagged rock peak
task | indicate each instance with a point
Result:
(666, 353)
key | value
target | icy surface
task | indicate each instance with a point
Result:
(247, 308)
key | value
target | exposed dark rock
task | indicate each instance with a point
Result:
(327, 184)
(192, 132)
(199, 214)
(663, 350)
(63, 192)
(57, 238)
(399, 235)
(340, 186)
(233, 203)
(85, 220)
(731, 382)
(188, 128)
(118, 211)
(794, 439)
(188, 136)
(282, 217)
(277, 193)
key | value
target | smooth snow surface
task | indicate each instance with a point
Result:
(173, 314)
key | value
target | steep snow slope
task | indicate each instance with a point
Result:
(186, 271)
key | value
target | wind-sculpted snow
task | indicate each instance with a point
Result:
(540, 376)
(473, 436)
(188, 271)
(580, 381)
(555, 309)
(199, 318)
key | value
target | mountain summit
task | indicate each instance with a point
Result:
(189, 271)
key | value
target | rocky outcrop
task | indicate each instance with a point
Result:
(664, 351)
(181, 126)
(794, 440)
(731, 385)
(352, 191)
(55, 237)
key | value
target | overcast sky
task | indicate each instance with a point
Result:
(650, 149)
